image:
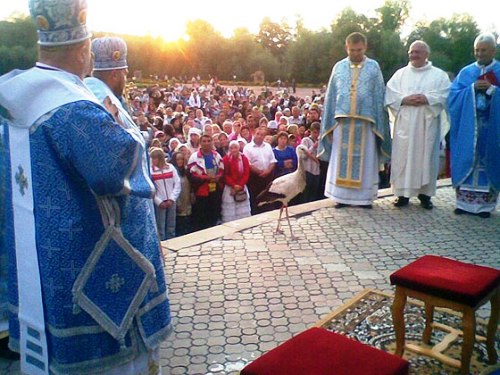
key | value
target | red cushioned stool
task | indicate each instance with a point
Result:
(318, 351)
(443, 282)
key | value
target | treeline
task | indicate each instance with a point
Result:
(279, 50)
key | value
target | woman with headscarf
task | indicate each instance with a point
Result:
(235, 197)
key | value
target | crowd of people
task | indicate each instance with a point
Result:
(220, 147)
(93, 179)
(353, 118)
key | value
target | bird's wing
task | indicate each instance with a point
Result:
(283, 184)
(268, 196)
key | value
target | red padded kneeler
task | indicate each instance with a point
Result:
(318, 351)
(446, 278)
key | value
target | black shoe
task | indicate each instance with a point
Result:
(340, 205)
(367, 206)
(484, 215)
(459, 211)
(401, 201)
(425, 201)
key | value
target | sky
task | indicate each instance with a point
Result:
(168, 18)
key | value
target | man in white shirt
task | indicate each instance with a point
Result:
(169, 115)
(194, 99)
(262, 163)
(296, 118)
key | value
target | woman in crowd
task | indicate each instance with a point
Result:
(193, 142)
(236, 131)
(223, 147)
(208, 130)
(168, 188)
(184, 149)
(215, 129)
(235, 197)
(183, 217)
(263, 122)
(179, 108)
(172, 145)
(176, 123)
(246, 134)
(285, 155)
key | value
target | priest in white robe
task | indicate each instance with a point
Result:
(416, 98)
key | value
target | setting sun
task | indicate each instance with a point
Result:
(168, 20)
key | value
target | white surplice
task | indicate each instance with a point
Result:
(417, 130)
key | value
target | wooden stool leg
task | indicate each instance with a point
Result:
(492, 327)
(469, 323)
(398, 319)
(429, 319)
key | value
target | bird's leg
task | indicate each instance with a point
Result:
(279, 221)
(289, 225)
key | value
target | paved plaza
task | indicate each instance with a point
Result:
(239, 290)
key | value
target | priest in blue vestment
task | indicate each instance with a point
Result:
(108, 81)
(87, 291)
(474, 104)
(109, 74)
(355, 134)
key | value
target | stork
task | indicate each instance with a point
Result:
(286, 187)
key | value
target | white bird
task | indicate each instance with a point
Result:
(286, 187)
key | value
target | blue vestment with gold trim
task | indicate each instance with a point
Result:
(355, 134)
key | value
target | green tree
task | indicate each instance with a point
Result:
(17, 43)
(451, 40)
(205, 49)
(245, 56)
(384, 39)
(306, 58)
(393, 14)
(275, 38)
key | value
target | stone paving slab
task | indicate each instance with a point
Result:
(206, 235)
(236, 294)
(252, 290)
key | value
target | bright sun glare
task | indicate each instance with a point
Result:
(168, 19)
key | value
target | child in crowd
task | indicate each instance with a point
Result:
(155, 143)
(293, 129)
(168, 188)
